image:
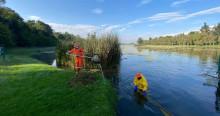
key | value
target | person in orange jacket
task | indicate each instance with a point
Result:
(78, 56)
(141, 84)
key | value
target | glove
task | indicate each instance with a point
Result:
(135, 88)
(144, 93)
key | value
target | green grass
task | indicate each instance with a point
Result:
(31, 88)
(18, 56)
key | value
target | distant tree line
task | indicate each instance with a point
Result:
(206, 36)
(15, 32)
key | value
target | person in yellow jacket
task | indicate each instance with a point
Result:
(141, 84)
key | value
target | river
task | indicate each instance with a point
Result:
(181, 83)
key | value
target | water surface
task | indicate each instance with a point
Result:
(183, 82)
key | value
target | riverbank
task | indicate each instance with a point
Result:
(30, 87)
(167, 47)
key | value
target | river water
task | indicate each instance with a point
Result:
(181, 82)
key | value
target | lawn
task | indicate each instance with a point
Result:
(29, 87)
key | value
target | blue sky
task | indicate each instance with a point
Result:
(129, 18)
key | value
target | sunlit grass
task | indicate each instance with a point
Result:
(34, 89)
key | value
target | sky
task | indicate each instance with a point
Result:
(130, 19)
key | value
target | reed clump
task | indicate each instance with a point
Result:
(106, 46)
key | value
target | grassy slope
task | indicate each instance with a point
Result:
(29, 87)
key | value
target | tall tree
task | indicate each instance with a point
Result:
(217, 30)
(2, 2)
(205, 28)
(206, 36)
(15, 23)
(5, 36)
(140, 40)
(41, 33)
(24, 34)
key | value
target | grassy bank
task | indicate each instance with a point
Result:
(30, 88)
(177, 46)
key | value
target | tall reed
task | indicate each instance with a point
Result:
(106, 46)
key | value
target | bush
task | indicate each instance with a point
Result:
(5, 36)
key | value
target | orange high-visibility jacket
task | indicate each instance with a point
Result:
(79, 53)
(142, 84)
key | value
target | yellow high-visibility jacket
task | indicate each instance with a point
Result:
(142, 84)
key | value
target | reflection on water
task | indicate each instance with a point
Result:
(140, 99)
(46, 57)
(178, 80)
(217, 101)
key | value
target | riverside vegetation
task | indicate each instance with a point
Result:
(207, 36)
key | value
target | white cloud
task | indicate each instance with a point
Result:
(114, 28)
(156, 17)
(143, 2)
(97, 11)
(195, 14)
(34, 18)
(137, 21)
(178, 2)
(122, 29)
(151, 25)
(165, 16)
(176, 16)
(111, 28)
(104, 25)
(83, 29)
(173, 16)
(78, 29)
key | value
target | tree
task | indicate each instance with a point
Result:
(217, 30)
(205, 28)
(15, 23)
(2, 2)
(41, 33)
(140, 41)
(5, 36)
(206, 36)
(25, 34)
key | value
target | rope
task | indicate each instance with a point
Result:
(79, 56)
(162, 109)
(155, 103)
